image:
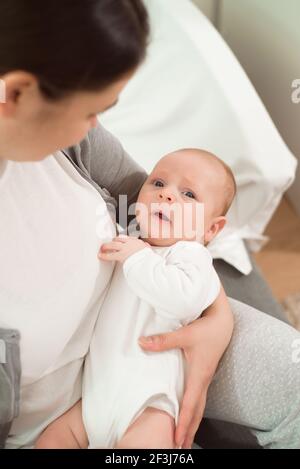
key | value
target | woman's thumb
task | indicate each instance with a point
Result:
(160, 342)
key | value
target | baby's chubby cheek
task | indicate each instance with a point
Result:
(142, 208)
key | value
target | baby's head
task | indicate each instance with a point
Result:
(186, 197)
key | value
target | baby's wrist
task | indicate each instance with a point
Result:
(137, 249)
(136, 255)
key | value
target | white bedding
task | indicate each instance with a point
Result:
(192, 92)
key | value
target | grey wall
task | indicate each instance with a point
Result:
(208, 7)
(265, 36)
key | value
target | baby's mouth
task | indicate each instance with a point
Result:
(161, 216)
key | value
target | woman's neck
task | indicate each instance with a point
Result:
(3, 164)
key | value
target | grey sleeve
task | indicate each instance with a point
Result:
(10, 376)
(103, 160)
(112, 168)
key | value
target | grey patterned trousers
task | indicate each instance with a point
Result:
(257, 383)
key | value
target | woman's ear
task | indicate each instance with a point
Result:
(14, 86)
(216, 226)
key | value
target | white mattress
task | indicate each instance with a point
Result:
(192, 92)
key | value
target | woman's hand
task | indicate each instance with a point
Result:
(203, 342)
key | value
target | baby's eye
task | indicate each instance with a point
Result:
(158, 183)
(189, 194)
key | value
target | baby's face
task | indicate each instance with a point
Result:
(179, 200)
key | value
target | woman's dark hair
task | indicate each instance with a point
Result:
(72, 45)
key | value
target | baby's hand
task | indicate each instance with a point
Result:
(120, 248)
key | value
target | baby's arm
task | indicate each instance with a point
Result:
(179, 286)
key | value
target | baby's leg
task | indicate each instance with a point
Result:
(154, 428)
(66, 432)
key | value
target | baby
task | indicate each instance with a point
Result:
(163, 279)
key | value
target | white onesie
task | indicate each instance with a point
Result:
(157, 289)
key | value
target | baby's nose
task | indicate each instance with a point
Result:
(167, 195)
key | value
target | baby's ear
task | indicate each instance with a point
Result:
(217, 225)
(221, 222)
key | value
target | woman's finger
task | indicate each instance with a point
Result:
(162, 342)
(189, 404)
(191, 429)
(193, 402)
(180, 338)
(185, 337)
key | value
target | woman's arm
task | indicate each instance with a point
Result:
(203, 342)
(219, 316)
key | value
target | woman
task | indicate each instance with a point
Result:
(62, 62)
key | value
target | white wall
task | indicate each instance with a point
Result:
(265, 36)
(208, 7)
